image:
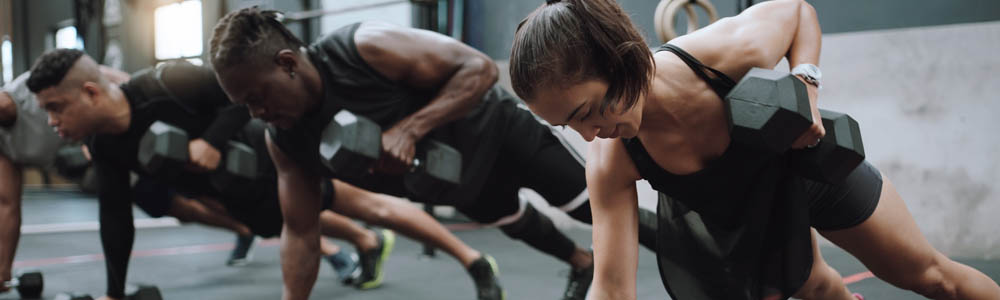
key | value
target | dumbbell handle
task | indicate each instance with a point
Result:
(12, 283)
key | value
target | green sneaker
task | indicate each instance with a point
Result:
(484, 273)
(373, 260)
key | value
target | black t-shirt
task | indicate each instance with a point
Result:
(350, 83)
(182, 95)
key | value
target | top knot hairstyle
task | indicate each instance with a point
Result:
(249, 35)
(50, 68)
(569, 41)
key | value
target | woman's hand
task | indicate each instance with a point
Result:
(816, 132)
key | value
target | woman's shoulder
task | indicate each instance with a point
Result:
(608, 158)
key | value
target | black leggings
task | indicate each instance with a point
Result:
(534, 157)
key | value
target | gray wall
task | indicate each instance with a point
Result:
(927, 114)
(491, 24)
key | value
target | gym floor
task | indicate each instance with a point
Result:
(187, 261)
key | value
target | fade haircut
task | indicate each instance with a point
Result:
(50, 68)
(566, 42)
(249, 36)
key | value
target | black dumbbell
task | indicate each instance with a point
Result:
(436, 167)
(768, 110)
(73, 296)
(144, 292)
(163, 150)
(28, 285)
(237, 171)
(837, 154)
(350, 144)
(70, 162)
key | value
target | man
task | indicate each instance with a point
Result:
(81, 103)
(414, 84)
(25, 140)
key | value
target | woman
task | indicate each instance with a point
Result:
(660, 117)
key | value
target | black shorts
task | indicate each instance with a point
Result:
(152, 196)
(844, 205)
(535, 157)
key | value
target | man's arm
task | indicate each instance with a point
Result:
(425, 60)
(614, 202)
(117, 228)
(298, 192)
(10, 215)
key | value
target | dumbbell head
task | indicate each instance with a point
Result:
(768, 110)
(146, 292)
(439, 168)
(838, 153)
(163, 149)
(350, 144)
(28, 284)
(71, 162)
(73, 296)
(238, 169)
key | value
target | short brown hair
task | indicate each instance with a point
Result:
(569, 41)
(249, 35)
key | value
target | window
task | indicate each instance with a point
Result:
(178, 31)
(7, 57)
(66, 37)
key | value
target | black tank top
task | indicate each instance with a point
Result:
(727, 231)
(350, 83)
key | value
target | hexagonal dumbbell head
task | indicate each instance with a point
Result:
(237, 170)
(768, 110)
(146, 292)
(30, 285)
(163, 150)
(837, 154)
(350, 144)
(439, 168)
(73, 296)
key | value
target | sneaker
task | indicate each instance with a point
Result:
(243, 252)
(484, 273)
(372, 261)
(579, 283)
(345, 265)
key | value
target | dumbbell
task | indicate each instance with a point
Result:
(28, 285)
(163, 150)
(350, 144)
(70, 162)
(837, 154)
(144, 292)
(768, 110)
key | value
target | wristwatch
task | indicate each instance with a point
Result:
(809, 72)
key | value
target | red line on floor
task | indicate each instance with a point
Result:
(207, 248)
(194, 249)
(858, 277)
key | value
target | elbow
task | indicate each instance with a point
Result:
(486, 68)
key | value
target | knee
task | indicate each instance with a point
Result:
(380, 211)
(932, 281)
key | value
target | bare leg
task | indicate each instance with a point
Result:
(402, 217)
(190, 210)
(891, 245)
(327, 248)
(824, 282)
(10, 216)
(338, 226)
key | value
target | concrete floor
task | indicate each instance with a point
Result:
(187, 262)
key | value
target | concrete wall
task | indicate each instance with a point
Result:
(927, 109)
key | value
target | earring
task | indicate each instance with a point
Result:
(292, 74)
